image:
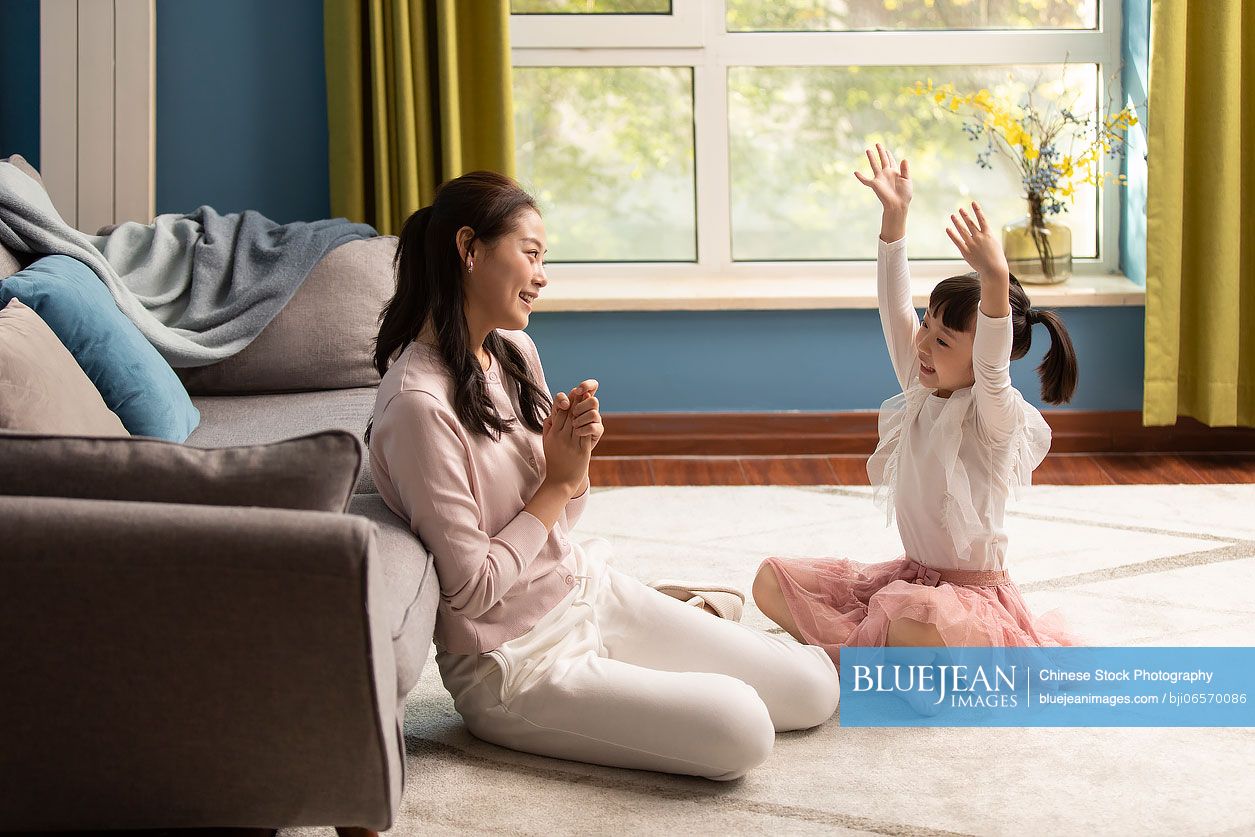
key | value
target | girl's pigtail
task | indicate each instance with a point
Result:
(1058, 369)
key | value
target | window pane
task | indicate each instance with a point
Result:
(797, 134)
(589, 7)
(844, 15)
(608, 151)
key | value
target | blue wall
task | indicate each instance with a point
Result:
(242, 124)
(241, 104)
(796, 360)
(19, 79)
(242, 107)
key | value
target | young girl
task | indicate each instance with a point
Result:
(952, 446)
(543, 646)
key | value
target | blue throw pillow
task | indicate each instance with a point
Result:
(135, 381)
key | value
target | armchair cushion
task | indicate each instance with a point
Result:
(41, 387)
(229, 420)
(132, 377)
(322, 339)
(315, 472)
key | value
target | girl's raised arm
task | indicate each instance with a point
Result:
(891, 183)
(997, 406)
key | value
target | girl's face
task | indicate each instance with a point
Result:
(506, 278)
(945, 356)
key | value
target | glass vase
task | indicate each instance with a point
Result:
(1039, 252)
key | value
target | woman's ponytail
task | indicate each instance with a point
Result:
(1058, 369)
(404, 315)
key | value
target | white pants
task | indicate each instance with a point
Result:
(622, 675)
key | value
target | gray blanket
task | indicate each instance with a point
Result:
(200, 286)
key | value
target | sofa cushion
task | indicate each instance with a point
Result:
(413, 593)
(132, 377)
(314, 473)
(323, 338)
(41, 386)
(255, 419)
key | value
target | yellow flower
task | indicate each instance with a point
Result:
(1014, 125)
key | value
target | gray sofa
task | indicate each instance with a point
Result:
(171, 665)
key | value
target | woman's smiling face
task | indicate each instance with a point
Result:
(945, 355)
(504, 279)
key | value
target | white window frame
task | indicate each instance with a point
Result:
(694, 35)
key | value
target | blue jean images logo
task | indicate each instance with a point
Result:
(1003, 687)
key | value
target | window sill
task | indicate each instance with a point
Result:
(573, 292)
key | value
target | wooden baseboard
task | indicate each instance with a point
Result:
(808, 434)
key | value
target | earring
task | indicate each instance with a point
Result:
(470, 265)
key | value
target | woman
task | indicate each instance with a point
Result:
(544, 647)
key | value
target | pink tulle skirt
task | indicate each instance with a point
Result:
(838, 602)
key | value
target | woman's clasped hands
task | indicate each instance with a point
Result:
(570, 433)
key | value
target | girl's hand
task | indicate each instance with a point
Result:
(977, 244)
(981, 249)
(566, 454)
(890, 180)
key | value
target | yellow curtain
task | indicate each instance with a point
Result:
(1200, 250)
(418, 92)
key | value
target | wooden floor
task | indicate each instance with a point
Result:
(1059, 469)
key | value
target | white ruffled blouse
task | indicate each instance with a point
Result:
(945, 467)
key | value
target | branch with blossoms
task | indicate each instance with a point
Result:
(1031, 140)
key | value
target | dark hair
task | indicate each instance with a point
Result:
(956, 300)
(429, 287)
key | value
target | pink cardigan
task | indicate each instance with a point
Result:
(463, 495)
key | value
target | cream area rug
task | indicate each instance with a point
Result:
(1129, 565)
